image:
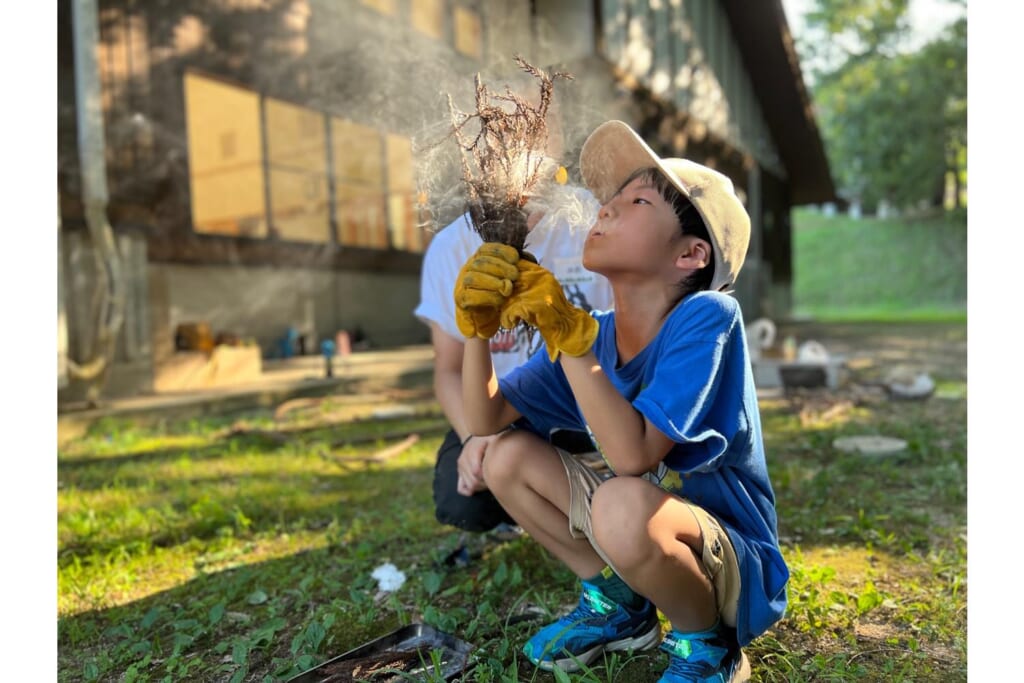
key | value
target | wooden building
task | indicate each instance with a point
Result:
(264, 159)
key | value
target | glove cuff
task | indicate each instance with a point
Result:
(577, 337)
(582, 335)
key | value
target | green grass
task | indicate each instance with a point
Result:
(199, 551)
(880, 270)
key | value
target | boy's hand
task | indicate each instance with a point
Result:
(537, 299)
(470, 465)
(482, 286)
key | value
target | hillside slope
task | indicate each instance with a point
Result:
(904, 269)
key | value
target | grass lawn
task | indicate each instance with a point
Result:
(879, 269)
(243, 550)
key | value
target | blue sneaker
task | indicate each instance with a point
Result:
(705, 657)
(595, 626)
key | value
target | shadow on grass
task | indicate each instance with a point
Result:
(201, 503)
(102, 468)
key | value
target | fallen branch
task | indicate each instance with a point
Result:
(376, 458)
(297, 404)
(240, 429)
(435, 428)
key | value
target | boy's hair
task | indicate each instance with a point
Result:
(690, 223)
(614, 151)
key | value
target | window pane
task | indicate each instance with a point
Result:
(467, 32)
(295, 136)
(357, 153)
(298, 179)
(382, 6)
(428, 17)
(225, 158)
(298, 201)
(401, 195)
(361, 217)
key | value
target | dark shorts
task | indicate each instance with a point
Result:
(481, 511)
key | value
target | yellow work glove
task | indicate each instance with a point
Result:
(482, 286)
(537, 299)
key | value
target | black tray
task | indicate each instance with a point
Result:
(405, 650)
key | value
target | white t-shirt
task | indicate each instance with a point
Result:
(558, 247)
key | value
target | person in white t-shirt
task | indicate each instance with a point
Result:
(461, 496)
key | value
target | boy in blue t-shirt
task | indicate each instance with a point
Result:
(686, 522)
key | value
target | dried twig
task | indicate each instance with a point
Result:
(502, 159)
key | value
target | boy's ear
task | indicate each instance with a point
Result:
(695, 255)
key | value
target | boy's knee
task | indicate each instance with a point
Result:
(614, 501)
(503, 461)
(618, 529)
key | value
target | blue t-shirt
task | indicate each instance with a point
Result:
(694, 383)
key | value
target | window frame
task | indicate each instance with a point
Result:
(382, 241)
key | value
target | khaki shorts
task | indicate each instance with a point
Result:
(718, 556)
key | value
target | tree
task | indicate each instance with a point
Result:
(842, 33)
(894, 123)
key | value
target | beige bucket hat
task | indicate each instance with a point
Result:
(614, 151)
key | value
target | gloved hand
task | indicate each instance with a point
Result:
(482, 286)
(537, 299)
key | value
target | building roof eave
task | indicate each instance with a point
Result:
(769, 55)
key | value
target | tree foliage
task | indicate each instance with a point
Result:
(841, 33)
(894, 123)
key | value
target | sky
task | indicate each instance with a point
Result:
(927, 17)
